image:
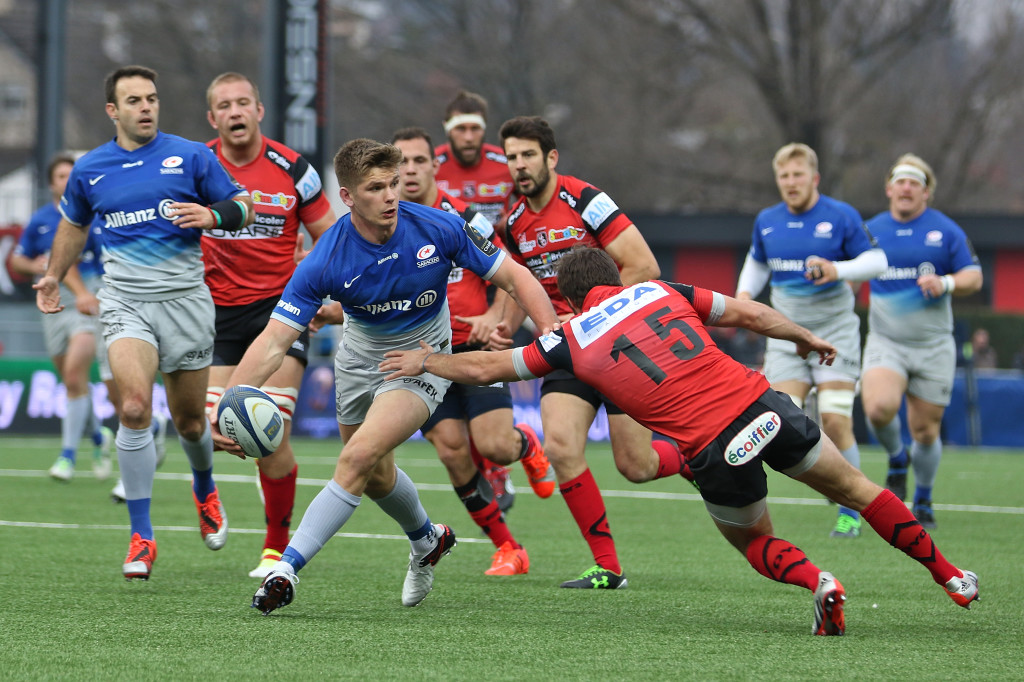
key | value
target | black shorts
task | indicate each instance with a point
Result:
(729, 471)
(561, 381)
(239, 325)
(466, 402)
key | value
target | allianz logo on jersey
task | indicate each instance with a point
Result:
(385, 259)
(752, 439)
(424, 300)
(893, 272)
(786, 264)
(593, 324)
(116, 219)
(288, 307)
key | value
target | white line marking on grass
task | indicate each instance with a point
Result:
(444, 487)
(192, 529)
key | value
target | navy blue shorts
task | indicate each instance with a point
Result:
(464, 402)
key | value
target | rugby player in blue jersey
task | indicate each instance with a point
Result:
(387, 263)
(154, 192)
(809, 245)
(910, 348)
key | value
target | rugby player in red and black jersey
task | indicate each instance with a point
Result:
(554, 213)
(247, 270)
(475, 172)
(646, 345)
(473, 416)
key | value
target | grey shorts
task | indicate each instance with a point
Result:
(181, 329)
(781, 363)
(357, 381)
(58, 330)
(929, 370)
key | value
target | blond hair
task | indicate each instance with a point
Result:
(795, 150)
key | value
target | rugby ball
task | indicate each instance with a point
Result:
(252, 419)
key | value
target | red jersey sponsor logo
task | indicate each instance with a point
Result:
(752, 439)
(277, 199)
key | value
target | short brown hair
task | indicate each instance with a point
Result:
(466, 102)
(230, 77)
(795, 150)
(358, 157)
(582, 269)
(530, 128)
(56, 160)
(110, 84)
(413, 133)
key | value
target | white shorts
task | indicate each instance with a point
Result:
(357, 381)
(58, 330)
(781, 363)
(929, 370)
(181, 329)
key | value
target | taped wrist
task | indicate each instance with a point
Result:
(231, 215)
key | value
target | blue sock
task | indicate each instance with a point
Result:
(922, 493)
(294, 558)
(69, 454)
(421, 532)
(202, 483)
(97, 437)
(899, 460)
(848, 512)
(138, 512)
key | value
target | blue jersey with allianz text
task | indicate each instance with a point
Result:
(929, 244)
(146, 256)
(783, 241)
(390, 291)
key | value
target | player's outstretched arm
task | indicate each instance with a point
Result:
(768, 321)
(478, 367)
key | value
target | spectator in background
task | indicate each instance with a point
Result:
(982, 352)
(809, 245)
(910, 348)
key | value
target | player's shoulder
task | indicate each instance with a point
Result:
(880, 220)
(443, 153)
(494, 154)
(280, 154)
(773, 212)
(937, 219)
(427, 217)
(446, 202)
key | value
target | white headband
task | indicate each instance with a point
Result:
(905, 170)
(464, 119)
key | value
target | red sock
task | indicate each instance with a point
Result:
(782, 561)
(893, 521)
(670, 460)
(493, 524)
(587, 507)
(278, 500)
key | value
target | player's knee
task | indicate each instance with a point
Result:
(134, 409)
(634, 470)
(190, 428)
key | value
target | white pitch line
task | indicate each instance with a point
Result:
(632, 494)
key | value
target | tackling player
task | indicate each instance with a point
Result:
(248, 269)
(647, 346)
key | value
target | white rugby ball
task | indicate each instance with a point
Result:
(252, 419)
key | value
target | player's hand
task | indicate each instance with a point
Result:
(501, 338)
(300, 248)
(192, 216)
(48, 295)
(820, 270)
(482, 327)
(331, 313)
(825, 350)
(931, 285)
(220, 441)
(405, 363)
(87, 304)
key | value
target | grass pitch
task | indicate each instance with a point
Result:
(694, 608)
